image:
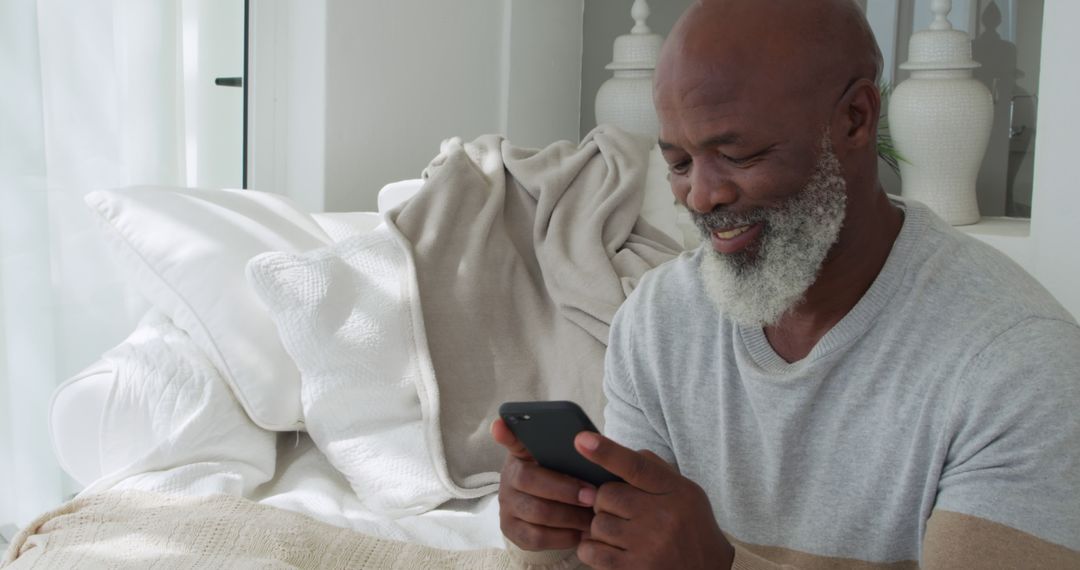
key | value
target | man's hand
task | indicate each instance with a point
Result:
(656, 519)
(539, 509)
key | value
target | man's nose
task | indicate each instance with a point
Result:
(709, 189)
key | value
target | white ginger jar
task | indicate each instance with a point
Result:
(940, 121)
(625, 100)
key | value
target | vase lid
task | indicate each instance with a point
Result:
(941, 47)
(640, 49)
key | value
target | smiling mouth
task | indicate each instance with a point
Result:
(739, 238)
(733, 233)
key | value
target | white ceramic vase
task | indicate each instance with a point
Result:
(940, 120)
(625, 100)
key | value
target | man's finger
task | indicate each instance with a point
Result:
(600, 555)
(544, 512)
(528, 536)
(611, 530)
(637, 469)
(532, 479)
(506, 438)
(656, 458)
(619, 499)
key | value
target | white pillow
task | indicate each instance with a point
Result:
(186, 250)
(345, 314)
(341, 226)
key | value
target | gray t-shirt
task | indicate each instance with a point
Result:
(954, 384)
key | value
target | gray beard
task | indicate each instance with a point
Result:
(757, 288)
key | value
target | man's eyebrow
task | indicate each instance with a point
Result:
(718, 140)
(721, 140)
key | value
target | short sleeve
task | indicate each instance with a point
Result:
(625, 418)
(1014, 454)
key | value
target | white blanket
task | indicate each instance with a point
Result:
(171, 425)
(134, 529)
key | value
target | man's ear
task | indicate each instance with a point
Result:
(858, 114)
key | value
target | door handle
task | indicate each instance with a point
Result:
(229, 81)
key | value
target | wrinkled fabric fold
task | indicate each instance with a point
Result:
(522, 258)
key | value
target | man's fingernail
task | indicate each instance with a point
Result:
(589, 440)
(587, 496)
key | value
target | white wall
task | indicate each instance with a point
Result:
(366, 91)
(1055, 231)
(543, 41)
(401, 76)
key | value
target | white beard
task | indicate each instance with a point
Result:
(758, 288)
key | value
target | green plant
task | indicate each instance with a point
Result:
(885, 147)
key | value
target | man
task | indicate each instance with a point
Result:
(835, 379)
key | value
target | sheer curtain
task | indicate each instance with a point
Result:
(92, 98)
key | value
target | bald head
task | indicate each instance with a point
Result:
(758, 82)
(806, 43)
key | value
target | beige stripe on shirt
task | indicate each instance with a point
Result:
(953, 540)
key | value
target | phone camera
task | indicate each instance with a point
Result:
(512, 419)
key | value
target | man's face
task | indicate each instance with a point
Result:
(761, 180)
(758, 286)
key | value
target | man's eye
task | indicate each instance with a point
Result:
(746, 160)
(737, 161)
(680, 168)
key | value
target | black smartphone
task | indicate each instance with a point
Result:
(547, 429)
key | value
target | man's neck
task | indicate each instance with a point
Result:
(847, 274)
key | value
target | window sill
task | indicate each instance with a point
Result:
(999, 228)
(1012, 236)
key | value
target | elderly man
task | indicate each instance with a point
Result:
(836, 378)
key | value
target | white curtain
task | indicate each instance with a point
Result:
(92, 98)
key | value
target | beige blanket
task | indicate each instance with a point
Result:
(523, 257)
(135, 529)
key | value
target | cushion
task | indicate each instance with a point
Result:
(396, 193)
(344, 225)
(345, 314)
(186, 250)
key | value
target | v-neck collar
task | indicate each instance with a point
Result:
(862, 315)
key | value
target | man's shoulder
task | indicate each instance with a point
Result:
(962, 280)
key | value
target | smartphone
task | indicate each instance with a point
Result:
(547, 429)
